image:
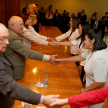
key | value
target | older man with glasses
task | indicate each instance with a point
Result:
(9, 88)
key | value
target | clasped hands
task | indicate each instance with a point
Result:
(52, 100)
(54, 61)
(53, 42)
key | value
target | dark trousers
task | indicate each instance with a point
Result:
(36, 27)
(48, 22)
(82, 74)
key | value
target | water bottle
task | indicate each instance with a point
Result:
(46, 79)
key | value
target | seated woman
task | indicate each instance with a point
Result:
(96, 65)
(29, 34)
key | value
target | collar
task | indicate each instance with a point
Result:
(5, 60)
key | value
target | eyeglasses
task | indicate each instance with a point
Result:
(21, 25)
(5, 39)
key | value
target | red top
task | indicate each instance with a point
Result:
(88, 98)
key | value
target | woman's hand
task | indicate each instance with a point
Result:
(28, 23)
(59, 102)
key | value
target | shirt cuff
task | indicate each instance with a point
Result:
(41, 99)
(47, 39)
(46, 57)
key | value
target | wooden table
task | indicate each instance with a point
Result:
(63, 79)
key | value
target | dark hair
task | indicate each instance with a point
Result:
(24, 16)
(85, 27)
(75, 21)
(36, 4)
(73, 15)
(106, 12)
(98, 44)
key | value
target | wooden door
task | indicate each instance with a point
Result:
(8, 8)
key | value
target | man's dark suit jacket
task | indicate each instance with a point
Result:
(55, 17)
(99, 26)
(10, 89)
(83, 18)
(36, 27)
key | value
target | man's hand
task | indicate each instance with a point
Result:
(49, 99)
(52, 60)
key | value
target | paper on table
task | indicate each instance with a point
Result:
(40, 107)
(23, 104)
(40, 85)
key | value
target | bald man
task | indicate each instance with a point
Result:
(9, 88)
(16, 51)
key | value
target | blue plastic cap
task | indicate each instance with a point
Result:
(46, 72)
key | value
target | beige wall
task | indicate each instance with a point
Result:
(90, 6)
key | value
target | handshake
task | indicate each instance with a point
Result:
(51, 101)
(53, 42)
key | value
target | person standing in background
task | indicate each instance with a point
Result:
(36, 12)
(83, 16)
(30, 8)
(56, 18)
(49, 12)
(104, 21)
(24, 9)
(42, 16)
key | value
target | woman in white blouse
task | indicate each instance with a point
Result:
(29, 35)
(83, 28)
(72, 34)
(96, 66)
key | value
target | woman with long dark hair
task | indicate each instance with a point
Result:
(96, 65)
(83, 28)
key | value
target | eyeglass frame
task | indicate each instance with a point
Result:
(5, 39)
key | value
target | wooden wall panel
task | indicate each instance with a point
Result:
(8, 8)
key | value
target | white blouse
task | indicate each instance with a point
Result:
(96, 69)
(30, 35)
(64, 36)
(74, 35)
(96, 66)
(81, 49)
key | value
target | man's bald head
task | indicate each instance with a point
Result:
(14, 19)
(3, 30)
(16, 24)
(4, 34)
